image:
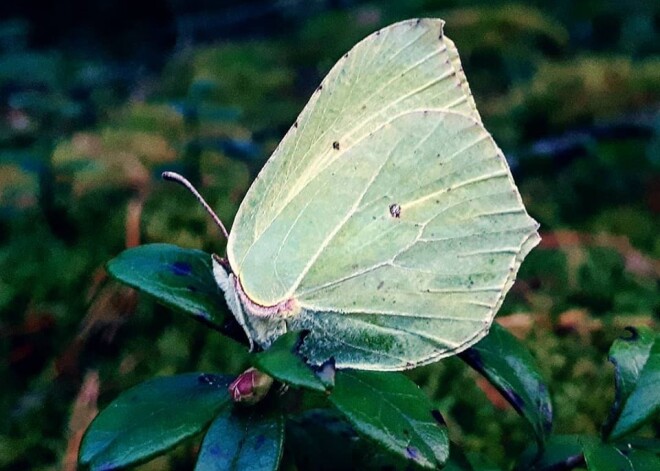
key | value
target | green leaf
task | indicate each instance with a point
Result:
(637, 368)
(323, 440)
(643, 460)
(603, 457)
(560, 452)
(181, 279)
(640, 443)
(242, 439)
(509, 366)
(282, 362)
(151, 418)
(391, 410)
(606, 457)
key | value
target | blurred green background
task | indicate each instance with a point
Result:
(97, 98)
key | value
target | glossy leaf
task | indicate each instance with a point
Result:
(394, 412)
(509, 366)
(637, 363)
(605, 457)
(151, 418)
(560, 452)
(283, 362)
(643, 460)
(246, 440)
(640, 443)
(179, 278)
(323, 440)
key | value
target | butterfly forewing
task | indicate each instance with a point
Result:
(387, 213)
(404, 67)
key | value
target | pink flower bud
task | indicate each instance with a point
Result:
(250, 387)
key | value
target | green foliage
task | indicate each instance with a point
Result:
(179, 278)
(513, 371)
(152, 418)
(385, 409)
(282, 362)
(637, 363)
(392, 411)
(242, 440)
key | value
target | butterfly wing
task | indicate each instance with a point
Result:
(387, 212)
(404, 67)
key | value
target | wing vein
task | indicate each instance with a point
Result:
(382, 312)
(365, 120)
(350, 212)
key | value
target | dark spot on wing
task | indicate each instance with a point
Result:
(438, 417)
(345, 55)
(380, 285)
(319, 88)
(295, 125)
(395, 210)
(364, 107)
(335, 145)
(181, 268)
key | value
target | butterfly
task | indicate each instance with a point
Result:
(386, 223)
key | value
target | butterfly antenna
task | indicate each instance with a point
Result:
(181, 180)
